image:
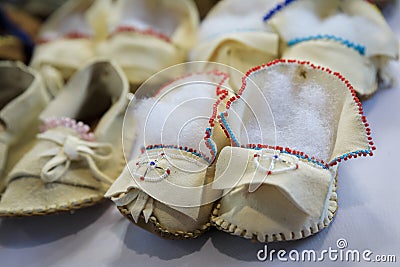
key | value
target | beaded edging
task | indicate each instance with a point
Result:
(82, 129)
(359, 48)
(301, 155)
(148, 32)
(276, 9)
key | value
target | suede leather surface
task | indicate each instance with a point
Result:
(285, 204)
(79, 185)
(20, 126)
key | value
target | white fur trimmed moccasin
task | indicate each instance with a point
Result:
(78, 153)
(348, 36)
(22, 97)
(164, 187)
(148, 36)
(290, 125)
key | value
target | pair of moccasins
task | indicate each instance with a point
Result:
(288, 124)
(258, 162)
(126, 31)
(350, 37)
(60, 154)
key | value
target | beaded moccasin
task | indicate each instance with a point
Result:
(148, 36)
(165, 186)
(350, 37)
(71, 166)
(290, 125)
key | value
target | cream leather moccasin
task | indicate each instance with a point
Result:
(68, 38)
(290, 125)
(312, 26)
(22, 97)
(148, 36)
(78, 153)
(164, 186)
(234, 34)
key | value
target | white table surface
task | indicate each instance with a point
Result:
(369, 201)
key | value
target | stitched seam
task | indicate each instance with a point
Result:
(290, 235)
(164, 232)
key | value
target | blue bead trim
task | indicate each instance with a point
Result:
(212, 146)
(214, 150)
(276, 9)
(228, 128)
(359, 48)
(354, 153)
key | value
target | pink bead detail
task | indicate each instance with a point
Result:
(82, 129)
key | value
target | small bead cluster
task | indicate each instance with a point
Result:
(273, 158)
(154, 166)
(287, 150)
(359, 48)
(149, 32)
(277, 8)
(82, 129)
(70, 35)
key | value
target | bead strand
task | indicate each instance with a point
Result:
(82, 129)
(359, 48)
(274, 158)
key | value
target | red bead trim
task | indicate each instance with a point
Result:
(148, 32)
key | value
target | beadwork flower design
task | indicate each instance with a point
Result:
(155, 170)
(262, 157)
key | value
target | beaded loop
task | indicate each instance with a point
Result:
(161, 164)
(154, 165)
(273, 159)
